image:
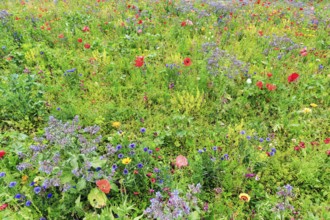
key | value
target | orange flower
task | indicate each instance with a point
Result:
(103, 185)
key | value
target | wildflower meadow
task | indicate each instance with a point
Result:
(165, 109)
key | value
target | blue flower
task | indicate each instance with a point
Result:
(32, 183)
(268, 139)
(132, 145)
(42, 218)
(125, 171)
(248, 137)
(261, 139)
(242, 132)
(149, 151)
(274, 150)
(50, 195)
(215, 148)
(2, 174)
(118, 147)
(28, 203)
(37, 190)
(200, 151)
(71, 70)
(120, 155)
(143, 130)
(114, 166)
(145, 149)
(140, 165)
(18, 196)
(12, 184)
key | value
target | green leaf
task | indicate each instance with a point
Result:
(81, 184)
(114, 187)
(97, 198)
(96, 162)
(194, 216)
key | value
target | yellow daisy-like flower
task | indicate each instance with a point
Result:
(245, 197)
(313, 105)
(116, 124)
(307, 110)
(126, 160)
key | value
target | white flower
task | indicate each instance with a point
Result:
(248, 81)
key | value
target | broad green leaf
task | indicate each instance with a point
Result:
(97, 198)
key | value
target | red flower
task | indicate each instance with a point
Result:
(157, 149)
(3, 206)
(153, 180)
(293, 77)
(269, 75)
(87, 46)
(327, 140)
(136, 172)
(2, 153)
(302, 145)
(187, 61)
(149, 174)
(259, 84)
(139, 61)
(61, 36)
(328, 152)
(270, 87)
(297, 148)
(260, 33)
(103, 185)
(183, 24)
(85, 29)
(79, 40)
(303, 52)
(136, 193)
(140, 22)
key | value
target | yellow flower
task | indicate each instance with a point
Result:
(313, 105)
(126, 160)
(245, 197)
(116, 124)
(307, 110)
(24, 179)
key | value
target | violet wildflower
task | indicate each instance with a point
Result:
(140, 165)
(125, 171)
(28, 203)
(12, 184)
(2, 174)
(142, 130)
(37, 190)
(18, 196)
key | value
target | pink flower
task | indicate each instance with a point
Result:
(181, 161)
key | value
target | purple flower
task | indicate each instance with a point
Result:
(28, 203)
(242, 132)
(12, 184)
(37, 190)
(248, 137)
(50, 195)
(18, 196)
(118, 147)
(140, 165)
(261, 139)
(132, 145)
(114, 167)
(249, 175)
(143, 130)
(120, 155)
(2, 174)
(145, 149)
(215, 148)
(125, 171)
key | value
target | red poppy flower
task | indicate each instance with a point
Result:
(2, 153)
(270, 87)
(293, 77)
(259, 84)
(327, 140)
(103, 185)
(85, 29)
(187, 61)
(183, 24)
(79, 40)
(181, 161)
(61, 36)
(87, 46)
(140, 22)
(139, 61)
(269, 75)
(3, 206)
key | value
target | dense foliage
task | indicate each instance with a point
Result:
(164, 109)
